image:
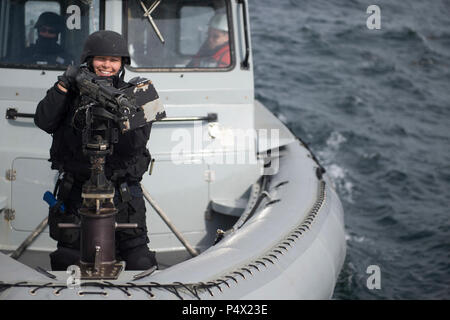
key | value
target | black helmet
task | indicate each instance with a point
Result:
(50, 19)
(105, 43)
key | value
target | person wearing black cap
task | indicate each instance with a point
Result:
(46, 50)
(105, 53)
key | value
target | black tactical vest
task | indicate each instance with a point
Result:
(130, 158)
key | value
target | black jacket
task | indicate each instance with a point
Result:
(130, 158)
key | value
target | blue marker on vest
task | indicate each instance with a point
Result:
(50, 199)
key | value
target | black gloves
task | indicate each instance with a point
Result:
(67, 80)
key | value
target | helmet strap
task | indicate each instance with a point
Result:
(89, 63)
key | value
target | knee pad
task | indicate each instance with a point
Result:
(63, 257)
(139, 258)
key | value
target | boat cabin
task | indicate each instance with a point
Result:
(233, 183)
(206, 153)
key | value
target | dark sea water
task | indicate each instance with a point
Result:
(374, 106)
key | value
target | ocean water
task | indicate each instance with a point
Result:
(374, 106)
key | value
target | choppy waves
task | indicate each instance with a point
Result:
(374, 106)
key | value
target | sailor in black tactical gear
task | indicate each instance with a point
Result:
(105, 53)
(46, 50)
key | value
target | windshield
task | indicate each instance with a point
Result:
(45, 33)
(172, 34)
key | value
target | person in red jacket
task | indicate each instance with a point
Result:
(215, 51)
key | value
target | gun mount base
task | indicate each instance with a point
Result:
(105, 271)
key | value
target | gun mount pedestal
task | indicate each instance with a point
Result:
(98, 221)
(105, 111)
(98, 258)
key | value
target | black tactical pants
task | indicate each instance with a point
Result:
(137, 257)
(131, 244)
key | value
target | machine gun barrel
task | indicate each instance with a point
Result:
(120, 108)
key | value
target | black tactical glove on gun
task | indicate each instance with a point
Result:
(68, 79)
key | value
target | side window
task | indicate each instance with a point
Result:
(45, 33)
(194, 28)
(33, 9)
(179, 34)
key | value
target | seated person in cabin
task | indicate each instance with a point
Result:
(215, 51)
(46, 50)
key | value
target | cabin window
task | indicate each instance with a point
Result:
(179, 34)
(45, 34)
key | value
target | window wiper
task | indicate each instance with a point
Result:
(148, 12)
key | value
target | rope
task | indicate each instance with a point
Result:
(192, 288)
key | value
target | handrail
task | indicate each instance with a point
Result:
(211, 117)
(13, 114)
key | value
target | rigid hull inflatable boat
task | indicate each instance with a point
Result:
(238, 207)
